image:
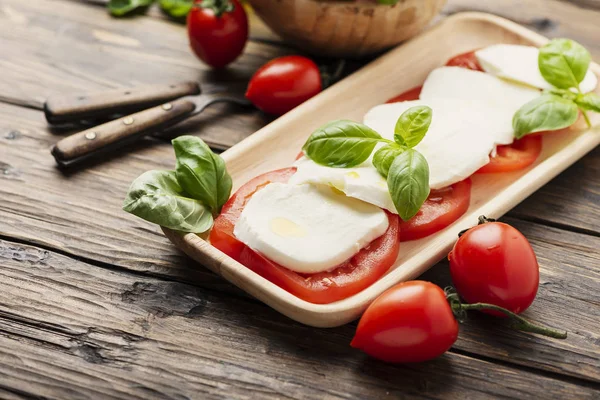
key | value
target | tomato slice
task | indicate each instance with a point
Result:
(411, 94)
(442, 208)
(465, 60)
(354, 275)
(518, 155)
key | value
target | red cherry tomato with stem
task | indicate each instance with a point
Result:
(284, 83)
(494, 263)
(416, 321)
(217, 30)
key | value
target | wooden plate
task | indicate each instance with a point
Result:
(276, 145)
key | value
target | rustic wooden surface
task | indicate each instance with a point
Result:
(95, 303)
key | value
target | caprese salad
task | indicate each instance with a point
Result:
(331, 224)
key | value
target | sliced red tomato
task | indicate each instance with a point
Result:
(518, 155)
(442, 208)
(465, 60)
(356, 274)
(221, 235)
(411, 94)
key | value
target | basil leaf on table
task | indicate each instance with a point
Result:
(201, 173)
(119, 8)
(176, 8)
(545, 113)
(412, 125)
(384, 157)
(564, 63)
(156, 196)
(408, 182)
(341, 144)
(589, 101)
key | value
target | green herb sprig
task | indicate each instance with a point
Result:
(346, 144)
(188, 198)
(563, 63)
(177, 9)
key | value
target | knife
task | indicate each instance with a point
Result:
(130, 127)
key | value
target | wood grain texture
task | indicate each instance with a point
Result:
(70, 330)
(77, 327)
(126, 128)
(71, 47)
(63, 108)
(80, 215)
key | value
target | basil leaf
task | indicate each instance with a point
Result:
(384, 157)
(412, 126)
(545, 113)
(589, 101)
(341, 144)
(176, 8)
(119, 8)
(564, 63)
(157, 197)
(408, 182)
(202, 173)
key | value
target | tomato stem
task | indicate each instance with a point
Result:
(217, 6)
(516, 322)
(480, 221)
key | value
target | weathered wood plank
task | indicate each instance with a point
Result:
(91, 225)
(63, 46)
(71, 330)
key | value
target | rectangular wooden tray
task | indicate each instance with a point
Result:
(276, 145)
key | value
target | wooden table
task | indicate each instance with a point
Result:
(95, 303)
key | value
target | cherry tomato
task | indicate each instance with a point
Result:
(217, 30)
(513, 157)
(410, 322)
(494, 263)
(441, 209)
(356, 274)
(465, 60)
(284, 83)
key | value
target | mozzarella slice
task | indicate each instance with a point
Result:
(496, 99)
(457, 143)
(308, 228)
(520, 64)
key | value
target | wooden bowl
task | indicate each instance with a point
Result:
(344, 28)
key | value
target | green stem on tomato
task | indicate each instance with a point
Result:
(517, 322)
(218, 6)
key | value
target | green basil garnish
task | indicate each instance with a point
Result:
(341, 144)
(345, 144)
(589, 102)
(408, 182)
(119, 8)
(176, 8)
(563, 63)
(201, 173)
(545, 113)
(185, 199)
(384, 157)
(412, 126)
(156, 196)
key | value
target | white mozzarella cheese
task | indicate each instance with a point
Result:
(496, 98)
(457, 143)
(520, 64)
(308, 228)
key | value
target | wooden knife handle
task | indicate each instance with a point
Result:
(129, 127)
(62, 109)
